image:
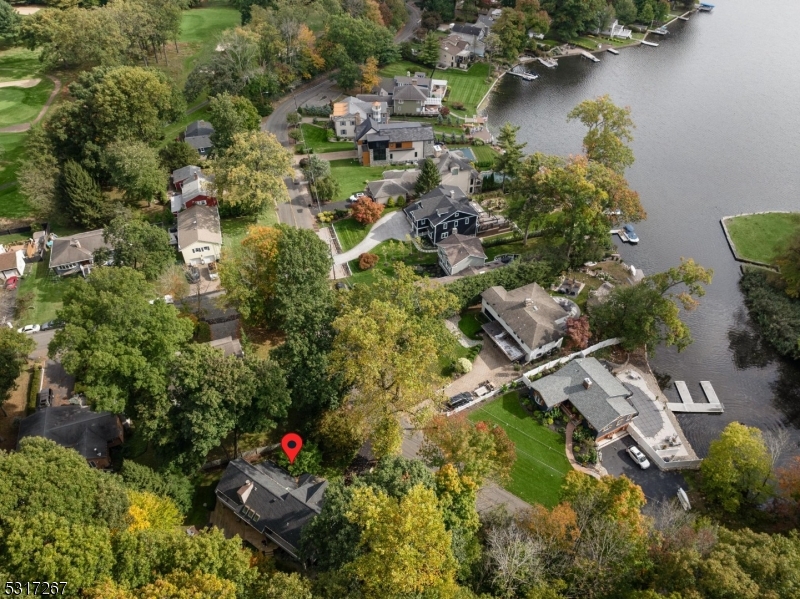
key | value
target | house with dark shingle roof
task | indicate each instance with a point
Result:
(73, 254)
(584, 385)
(91, 434)
(198, 135)
(458, 253)
(441, 212)
(265, 505)
(392, 143)
(525, 323)
(393, 185)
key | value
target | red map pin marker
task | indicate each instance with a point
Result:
(291, 444)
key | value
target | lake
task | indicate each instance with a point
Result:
(717, 109)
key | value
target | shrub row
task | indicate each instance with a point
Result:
(33, 389)
(468, 290)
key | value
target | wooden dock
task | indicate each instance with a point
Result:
(651, 44)
(590, 56)
(613, 51)
(688, 406)
(682, 18)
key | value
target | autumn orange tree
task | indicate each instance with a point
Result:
(578, 333)
(369, 74)
(366, 211)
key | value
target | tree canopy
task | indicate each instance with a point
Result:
(230, 115)
(609, 129)
(14, 350)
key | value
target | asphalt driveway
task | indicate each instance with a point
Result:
(657, 485)
(392, 226)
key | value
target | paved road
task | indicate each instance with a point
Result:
(391, 226)
(42, 339)
(657, 485)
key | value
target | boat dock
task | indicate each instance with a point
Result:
(613, 51)
(659, 31)
(651, 44)
(687, 403)
(525, 76)
(683, 18)
(548, 62)
(590, 56)
(621, 234)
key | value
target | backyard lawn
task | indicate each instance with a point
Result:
(353, 177)
(317, 139)
(235, 229)
(402, 67)
(350, 232)
(48, 291)
(467, 87)
(763, 237)
(22, 104)
(471, 323)
(390, 252)
(541, 460)
(483, 154)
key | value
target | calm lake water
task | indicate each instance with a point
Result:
(717, 109)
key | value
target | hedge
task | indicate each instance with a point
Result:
(777, 315)
(33, 389)
(468, 289)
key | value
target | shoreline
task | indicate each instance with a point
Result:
(732, 246)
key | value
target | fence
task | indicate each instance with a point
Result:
(657, 459)
(560, 361)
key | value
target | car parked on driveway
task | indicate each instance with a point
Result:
(355, 197)
(638, 457)
(29, 328)
(193, 274)
(53, 324)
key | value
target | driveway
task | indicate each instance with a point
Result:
(391, 226)
(657, 485)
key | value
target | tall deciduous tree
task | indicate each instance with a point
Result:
(230, 115)
(509, 159)
(139, 245)
(369, 75)
(14, 350)
(509, 35)
(609, 129)
(9, 20)
(572, 17)
(115, 342)
(249, 176)
(82, 196)
(148, 510)
(737, 469)
(366, 211)
(136, 168)
(428, 179)
(177, 154)
(647, 314)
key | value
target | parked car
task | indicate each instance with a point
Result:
(53, 324)
(638, 457)
(459, 400)
(193, 274)
(355, 197)
(29, 328)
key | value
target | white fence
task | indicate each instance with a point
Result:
(565, 359)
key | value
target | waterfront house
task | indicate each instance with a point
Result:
(441, 212)
(585, 386)
(349, 113)
(391, 143)
(455, 169)
(525, 323)
(461, 254)
(198, 135)
(454, 52)
(199, 235)
(266, 506)
(75, 254)
(474, 34)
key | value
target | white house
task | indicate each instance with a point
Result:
(351, 112)
(12, 264)
(199, 235)
(525, 323)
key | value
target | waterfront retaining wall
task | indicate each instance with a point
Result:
(723, 222)
(657, 459)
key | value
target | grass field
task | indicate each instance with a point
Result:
(470, 324)
(350, 232)
(205, 24)
(402, 67)
(18, 63)
(317, 139)
(21, 105)
(353, 177)
(235, 229)
(12, 147)
(763, 237)
(541, 460)
(467, 87)
(390, 252)
(47, 292)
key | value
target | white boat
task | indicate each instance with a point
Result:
(684, 499)
(548, 62)
(660, 31)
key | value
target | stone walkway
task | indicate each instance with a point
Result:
(597, 473)
(452, 325)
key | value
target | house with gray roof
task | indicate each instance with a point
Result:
(198, 135)
(265, 505)
(91, 434)
(414, 94)
(199, 234)
(75, 253)
(455, 169)
(349, 113)
(228, 346)
(393, 143)
(461, 254)
(473, 34)
(441, 212)
(525, 323)
(393, 185)
(584, 385)
(454, 52)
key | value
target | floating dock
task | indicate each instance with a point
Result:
(613, 51)
(651, 44)
(621, 234)
(682, 18)
(590, 56)
(525, 76)
(548, 62)
(712, 407)
(659, 31)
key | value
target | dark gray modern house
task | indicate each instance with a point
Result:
(441, 212)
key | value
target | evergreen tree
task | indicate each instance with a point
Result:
(508, 161)
(429, 177)
(82, 196)
(429, 52)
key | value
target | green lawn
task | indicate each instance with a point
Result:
(48, 291)
(21, 105)
(205, 24)
(470, 324)
(317, 139)
(12, 147)
(235, 229)
(204, 498)
(13, 204)
(402, 67)
(483, 154)
(18, 63)
(350, 232)
(353, 177)
(541, 460)
(467, 87)
(763, 237)
(390, 252)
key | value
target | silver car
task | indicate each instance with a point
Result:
(638, 457)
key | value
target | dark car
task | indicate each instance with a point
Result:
(459, 400)
(53, 324)
(193, 274)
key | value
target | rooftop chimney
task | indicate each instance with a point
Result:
(587, 382)
(75, 243)
(452, 194)
(529, 303)
(244, 491)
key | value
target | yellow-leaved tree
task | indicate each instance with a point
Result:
(148, 510)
